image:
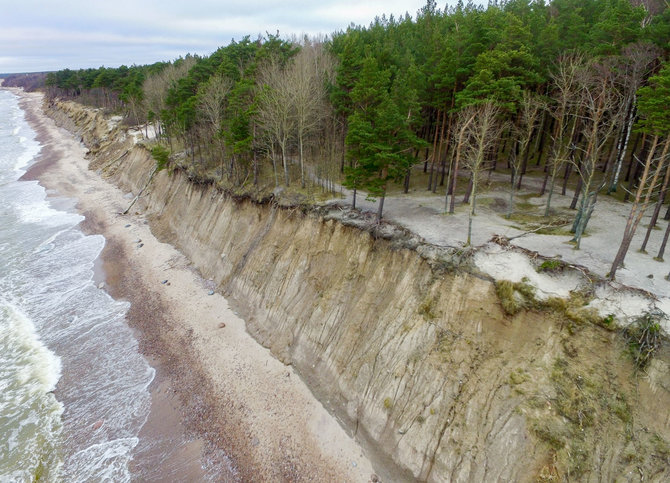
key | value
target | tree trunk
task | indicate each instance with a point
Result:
(468, 192)
(151, 177)
(543, 188)
(274, 164)
(661, 251)
(406, 181)
(621, 149)
(459, 145)
(434, 155)
(380, 207)
(659, 203)
(637, 210)
(446, 152)
(446, 196)
(543, 135)
(284, 164)
(578, 189)
(547, 207)
(638, 165)
(473, 207)
(302, 165)
(566, 176)
(510, 208)
(255, 158)
(440, 145)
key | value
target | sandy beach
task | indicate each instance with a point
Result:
(223, 408)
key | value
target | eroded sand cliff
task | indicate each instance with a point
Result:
(410, 349)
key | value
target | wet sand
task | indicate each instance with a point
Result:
(223, 408)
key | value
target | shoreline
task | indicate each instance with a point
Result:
(230, 406)
(156, 440)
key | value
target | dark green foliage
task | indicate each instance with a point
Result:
(380, 138)
(551, 265)
(102, 87)
(161, 155)
(394, 90)
(653, 102)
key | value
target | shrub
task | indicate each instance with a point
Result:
(644, 338)
(515, 296)
(161, 155)
(551, 265)
(427, 308)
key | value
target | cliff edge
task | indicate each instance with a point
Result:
(409, 344)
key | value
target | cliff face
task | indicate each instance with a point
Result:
(419, 362)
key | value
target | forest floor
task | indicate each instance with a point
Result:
(423, 213)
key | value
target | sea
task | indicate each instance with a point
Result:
(73, 385)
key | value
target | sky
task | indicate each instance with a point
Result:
(43, 35)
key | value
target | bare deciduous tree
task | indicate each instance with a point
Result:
(211, 107)
(465, 118)
(156, 86)
(657, 209)
(647, 185)
(633, 67)
(306, 75)
(529, 114)
(566, 93)
(275, 106)
(481, 135)
(600, 110)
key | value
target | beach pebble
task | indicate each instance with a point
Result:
(101, 285)
(164, 282)
(140, 245)
(98, 424)
(222, 325)
(374, 478)
(127, 226)
(211, 292)
(354, 464)
(138, 240)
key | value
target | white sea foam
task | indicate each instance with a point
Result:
(46, 267)
(30, 414)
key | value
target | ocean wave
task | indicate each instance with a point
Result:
(99, 379)
(30, 415)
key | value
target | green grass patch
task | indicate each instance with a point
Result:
(553, 265)
(518, 376)
(427, 308)
(515, 296)
(580, 408)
